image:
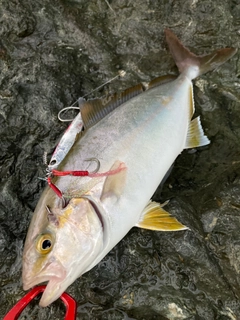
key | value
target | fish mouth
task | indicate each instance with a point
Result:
(52, 292)
(54, 289)
(35, 282)
(55, 286)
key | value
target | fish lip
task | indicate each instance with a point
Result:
(38, 280)
(35, 282)
(52, 291)
(46, 275)
(55, 284)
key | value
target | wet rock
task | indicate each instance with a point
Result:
(51, 53)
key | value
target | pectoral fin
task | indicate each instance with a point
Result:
(154, 217)
(195, 136)
(114, 183)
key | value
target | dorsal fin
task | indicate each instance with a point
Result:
(160, 80)
(94, 110)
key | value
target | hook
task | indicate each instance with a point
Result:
(121, 74)
(65, 109)
(98, 164)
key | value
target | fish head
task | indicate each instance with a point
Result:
(60, 245)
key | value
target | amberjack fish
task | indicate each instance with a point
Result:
(137, 135)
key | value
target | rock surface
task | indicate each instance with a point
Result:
(52, 52)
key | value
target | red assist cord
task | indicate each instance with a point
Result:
(56, 173)
(69, 302)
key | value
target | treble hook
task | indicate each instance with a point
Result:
(98, 164)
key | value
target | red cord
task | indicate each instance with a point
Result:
(69, 173)
(54, 188)
(80, 173)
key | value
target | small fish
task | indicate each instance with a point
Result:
(138, 133)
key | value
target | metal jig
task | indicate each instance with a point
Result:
(66, 142)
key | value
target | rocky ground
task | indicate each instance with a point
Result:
(51, 53)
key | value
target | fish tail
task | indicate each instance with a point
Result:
(192, 65)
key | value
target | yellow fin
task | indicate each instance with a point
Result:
(195, 136)
(114, 183)
(154, 217)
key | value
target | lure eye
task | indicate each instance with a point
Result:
(44, 243)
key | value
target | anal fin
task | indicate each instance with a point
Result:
(154, 217)
(195, 136)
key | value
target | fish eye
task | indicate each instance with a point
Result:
(44, 243)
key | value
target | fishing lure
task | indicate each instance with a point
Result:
(75, 127)
(66, 142)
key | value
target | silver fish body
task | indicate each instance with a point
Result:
(140, 140)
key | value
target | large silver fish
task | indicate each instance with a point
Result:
(135, 142)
